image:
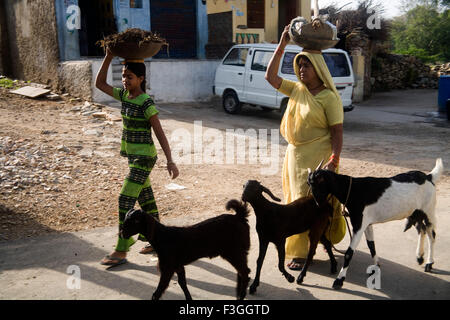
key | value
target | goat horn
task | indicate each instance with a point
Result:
(320, 165)
(270, 193)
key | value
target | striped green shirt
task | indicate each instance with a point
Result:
(137, 134)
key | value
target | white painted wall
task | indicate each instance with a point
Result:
(170, 80)
(97, 95)
(182, 80)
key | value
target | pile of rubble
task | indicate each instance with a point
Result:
(441, 69)
(393, 71)
(25, 163)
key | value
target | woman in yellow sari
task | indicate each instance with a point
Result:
(313, 126)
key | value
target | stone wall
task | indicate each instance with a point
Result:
(392, 71)
(32, 40)
(4, 47)
(75, 77)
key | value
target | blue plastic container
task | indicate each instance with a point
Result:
(444, 92)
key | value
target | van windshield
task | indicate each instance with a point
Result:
(336, 63)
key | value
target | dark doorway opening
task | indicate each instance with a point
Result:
(176, 21)
(255, 13)
(97, 22)
(287, 10)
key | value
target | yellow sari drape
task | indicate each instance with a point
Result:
(306, 127)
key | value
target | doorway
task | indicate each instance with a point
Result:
(287, 10)
(176, 21)
(97, 22)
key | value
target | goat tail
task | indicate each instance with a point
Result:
(437, 171)
(238, 206)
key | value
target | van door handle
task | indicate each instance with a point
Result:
(239, 73)
(251, 77)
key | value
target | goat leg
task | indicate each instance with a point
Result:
(371, 244)
(339, 282)
(262, 254)
(281, 255)
(242, 280)
(329, 249)
(431, 235)
(182, 282)
(420, 251)
(164, 280)
(311, 253)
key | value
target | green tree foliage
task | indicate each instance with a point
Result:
(424, 31)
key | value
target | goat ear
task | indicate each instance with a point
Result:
(270, 193)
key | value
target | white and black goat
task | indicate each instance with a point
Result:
(370, 200)
(275, 222)
(226, 235)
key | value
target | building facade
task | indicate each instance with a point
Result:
(249, 21)
(54, 42)
(183, 23)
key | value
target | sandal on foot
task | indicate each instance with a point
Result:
(148, 249)
(295, 266)
(113, 262)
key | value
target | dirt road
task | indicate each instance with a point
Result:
(60, 169)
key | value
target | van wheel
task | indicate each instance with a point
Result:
(231, 103)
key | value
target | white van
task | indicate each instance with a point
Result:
(240, 76)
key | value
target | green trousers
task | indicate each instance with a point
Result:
(136, 187)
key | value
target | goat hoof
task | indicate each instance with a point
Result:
(428, 267)
(290, 278)
(333, 270)
(338, 283)
(300, 280)
(252, 289)
(419, 260)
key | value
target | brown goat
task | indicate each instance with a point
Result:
(276, 222)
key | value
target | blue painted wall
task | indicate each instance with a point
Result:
(202, 29)
(69, 48)
(127, 17)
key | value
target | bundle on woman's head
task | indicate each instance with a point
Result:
(138, 68)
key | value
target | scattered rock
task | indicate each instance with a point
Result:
(53, 96)
(100, 115)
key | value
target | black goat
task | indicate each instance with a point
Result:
(226, 235)
(369, 200)
(276, 222)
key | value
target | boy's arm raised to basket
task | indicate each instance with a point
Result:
(100, 81)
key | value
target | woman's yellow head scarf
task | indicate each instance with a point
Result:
(322, 71)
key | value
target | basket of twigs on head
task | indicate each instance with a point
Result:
(317, 35)
(133, 44)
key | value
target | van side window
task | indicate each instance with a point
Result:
(336, 63)
(287, 66)
(261, 60)
(236, 57)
